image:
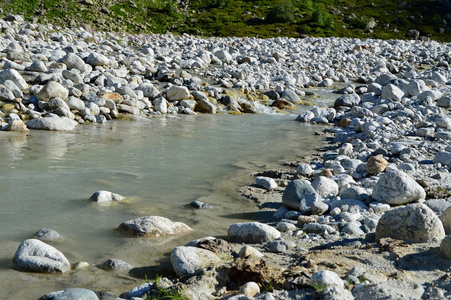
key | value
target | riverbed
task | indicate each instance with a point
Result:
(160, 165)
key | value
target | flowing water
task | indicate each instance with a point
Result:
(160, 165)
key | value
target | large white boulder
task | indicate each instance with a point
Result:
(414, 223)
(37, 256)
(396, 188)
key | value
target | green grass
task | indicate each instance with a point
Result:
(293, 18)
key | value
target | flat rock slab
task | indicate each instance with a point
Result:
(52, 123)
(35, 255)
(153, 226)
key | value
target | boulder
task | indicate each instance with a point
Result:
(266, 182)
(52, 123)
(47, 235)
(252, 232)
(73, 61)
(442, 157)
(153, 226)
(97, 59)
(325, 186)
(177, 93)
(35, 255)
(106, 197)
(348, 100)
(446, 220)
(413, 223)
(51, 90)
(296, 191)
(445, 246)
(71, 294)
(327, 278)
(397, 188)
(392, 92)
(189, 261)
(15, 77)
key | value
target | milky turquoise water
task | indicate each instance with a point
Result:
(160, 165)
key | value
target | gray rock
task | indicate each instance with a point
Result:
(266, 182)
(37, 256)
(296, 191)
(47, 235)
(161, 105)
(325, 186)
(76, 103)
(106, 197)
(413, 223)
(336, 293)
(445, 246)
(442, 157)
(438, 206)
(71, 294)
(72, 61)
(319, 207)
(391, 289)
(15, 77)
(392, 92)
(317, 228)
(97, 59)
(305, 169)
(397, 188)
(52, 123)
(444, 101)
(115, 264)
(57, 102)
(51, 90)
(291, 96)
(6, 94)
(348, 100)
(328, 278)
(37, 66)
(153, 226)
(189, 261)
(252, 232)
(177, 93)
(445, 218)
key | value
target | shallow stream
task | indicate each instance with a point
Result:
(160, 165)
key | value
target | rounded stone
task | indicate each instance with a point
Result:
(445, 246)
(412, 223)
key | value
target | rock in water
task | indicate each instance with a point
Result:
(397, 188)
(252, 232)
(52, 123)
(105, 197)
(153, 226)
(413, 223)
(189, 261)
(71, 294)
(37, 256)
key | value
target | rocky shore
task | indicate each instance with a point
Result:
(369, 218)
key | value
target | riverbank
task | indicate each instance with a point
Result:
(367, 219)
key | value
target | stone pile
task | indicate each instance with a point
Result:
(384, 187)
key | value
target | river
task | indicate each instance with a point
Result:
(160, 165)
